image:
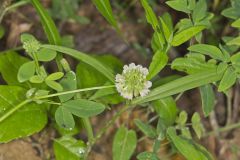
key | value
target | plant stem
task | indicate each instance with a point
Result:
(104, 129)
(36, 63)
(73, 91)
(12, 110)
(12, 49)
(88, 127)
(15, 5)
(229, 107)
(223, 129)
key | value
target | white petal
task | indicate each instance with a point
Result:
(125, 68)
(144, 71)
(119, 78)
(132, 65)
(144, 92)
(127, 95)
(148, 84)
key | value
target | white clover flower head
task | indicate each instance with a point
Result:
(31, 46)
(132, 82)
(30, 43)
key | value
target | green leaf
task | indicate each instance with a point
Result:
(235, 41)
(197, 125)
(36, 79)
(159, 61)
(167, 26)
(157, 42)
(54, 85)
(26, 37)
(88, 76)
(153, 21)
(232, 12)
(185, 132)
(46, 55)
(161, 131)
(9, 74)
(147, 156)
(206, 21)
(228, 79)
(64, 118)
(107, 96)
(199, 11)
(150, 15)
(186, 34)
(193, 63)
(208, 99)
(166, 109)
(181, 84)
(191, 4)
(105, 9)
(65, 10)
(68, 82)
(236, 23)
(25, 118)
(235, 60)
(26, 71)
(145, 128)
(179, 5)
(48, 24)
(41, 93)
(84, 108)
(209, 50)
(85, 58)
(68, 41)
(68, 147)
(103, 92)
(186, 147)
(182, 118)
(55, 76)
(183, 24)
(124, 144)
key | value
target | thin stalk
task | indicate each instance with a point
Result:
(104, 129)
(12, 49)
(229, 107)
(73, 91)
(54, 103)
(36, 63)
(179, 96)
(12, 110)
(223, 129)
(15, 5)
(88, 127)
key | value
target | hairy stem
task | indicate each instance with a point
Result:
(104, 129)
(73, 91)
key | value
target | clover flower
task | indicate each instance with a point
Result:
(132, 82)
(30, 43)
